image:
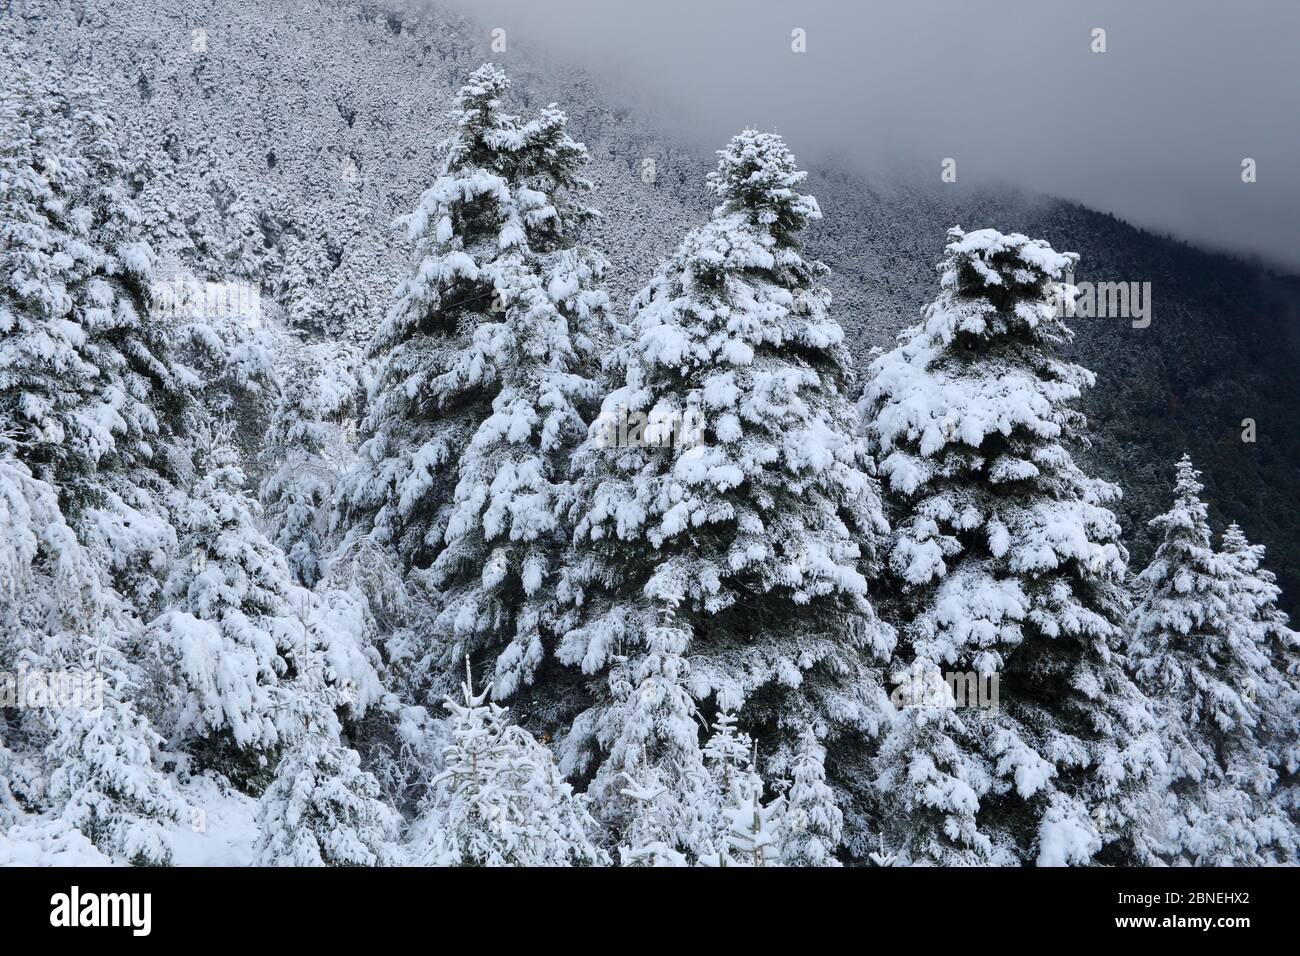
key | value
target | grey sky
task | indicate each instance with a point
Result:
(1153, 130)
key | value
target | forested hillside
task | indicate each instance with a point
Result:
(258, 131)
(374, 569)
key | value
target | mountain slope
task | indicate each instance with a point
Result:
(310, 126)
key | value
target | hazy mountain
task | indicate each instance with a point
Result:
(318, 122)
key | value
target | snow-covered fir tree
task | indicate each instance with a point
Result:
(1197, 647)
(747, 495)
(308, 446)
(228, 623)
(813, 825)
(746, 832)
(104, 778)
(79, 359)
(301, 287)
(346, 301)
(152, 178)
(930, 777)
(650, 824)
(729, 755)
(479, 390)
(1272, 630)
(230, 355)
(244, 250)
(654, 788)
(89, 407)
(501, 801)
(61, 626)
(86, 380)
(751, 832)
(349, 308)
(1007, 561)
(321, 809)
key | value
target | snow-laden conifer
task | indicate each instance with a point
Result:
(929, 781)
(1197, 647)
(729, 755)
(746, 496)
(751, 832)
(84, 372)
(308, 445)
(500, 799)
(1009, 561)
(479, 390)
(90, 753)
(302, 286)
(812, 826)
(228, 622)
(321, 809)
(1281, 701)
(654, 788)
(87, 384)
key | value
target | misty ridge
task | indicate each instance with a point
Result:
(600, 434)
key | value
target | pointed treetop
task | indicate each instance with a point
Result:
(531, 168)
(1248, 558)
(757, 173)
(488, 137)
(472, 700)
(1234, 540)
(484, 88)
(1189, 516)
(997, 288)
(1189, 486)
(809, 745)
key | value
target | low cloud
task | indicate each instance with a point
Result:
(1154, 129)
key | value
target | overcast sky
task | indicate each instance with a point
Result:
(1154, 130)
